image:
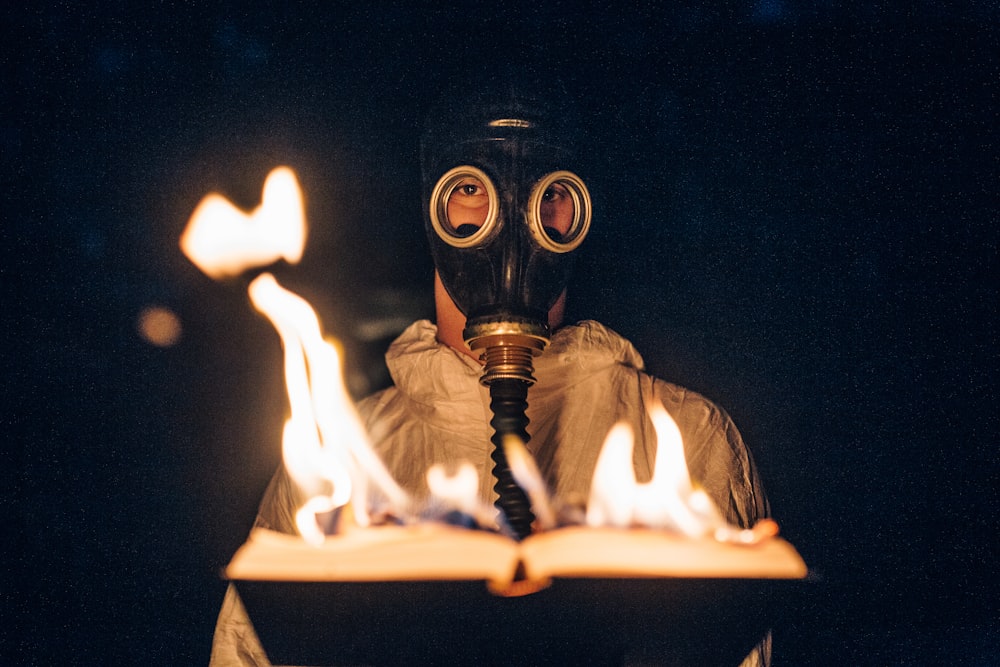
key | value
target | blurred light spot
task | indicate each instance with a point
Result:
(159, 326)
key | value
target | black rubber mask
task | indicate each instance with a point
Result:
(504, 212)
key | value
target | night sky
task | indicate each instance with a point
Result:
(796, 215)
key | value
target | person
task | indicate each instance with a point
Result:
(505, 212)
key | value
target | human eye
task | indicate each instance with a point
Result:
(554, 193)
(470, 187)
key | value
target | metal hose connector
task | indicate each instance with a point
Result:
(508, 344)
(509, 362)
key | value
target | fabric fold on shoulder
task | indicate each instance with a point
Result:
(429, 372)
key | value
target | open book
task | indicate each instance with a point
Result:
(437, 552)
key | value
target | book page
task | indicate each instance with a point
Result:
(387, 553)
(615, 552)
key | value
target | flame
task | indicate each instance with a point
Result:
(324, 444)
(528, 477)
(669, 500)
(459, 489)
(223, 241)
(613, 488)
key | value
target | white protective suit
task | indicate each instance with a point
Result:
(588, 379)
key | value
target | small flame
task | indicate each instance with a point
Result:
(669, 500)
(529, 477)
(223, 241)
(325, 447)
(458, 490)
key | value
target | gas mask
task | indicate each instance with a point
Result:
(504, 214)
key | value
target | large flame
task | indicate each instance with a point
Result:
(324, 445)
(669, 500)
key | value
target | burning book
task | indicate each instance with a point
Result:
(438, 552)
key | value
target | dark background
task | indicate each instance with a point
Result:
(796, 217)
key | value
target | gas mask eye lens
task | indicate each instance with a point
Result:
(556, 212)
(463, 207)
(467, 207)
(559, 212)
